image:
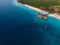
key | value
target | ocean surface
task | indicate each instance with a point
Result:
(20, 26)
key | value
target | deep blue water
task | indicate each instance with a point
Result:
(18, 27)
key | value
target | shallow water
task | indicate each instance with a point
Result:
(20, 26)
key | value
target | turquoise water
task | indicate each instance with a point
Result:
(17, 26)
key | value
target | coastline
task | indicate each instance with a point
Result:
(55, 15)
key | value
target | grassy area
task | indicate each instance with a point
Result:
(43, 4)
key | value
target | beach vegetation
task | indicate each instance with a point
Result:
(53, 6)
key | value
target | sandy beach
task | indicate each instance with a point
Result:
(44, 12)
(55, 15)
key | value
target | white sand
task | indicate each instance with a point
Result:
(44, 12)
(40, 10)
(55, 15)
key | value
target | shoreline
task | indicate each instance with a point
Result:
(55, 15)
